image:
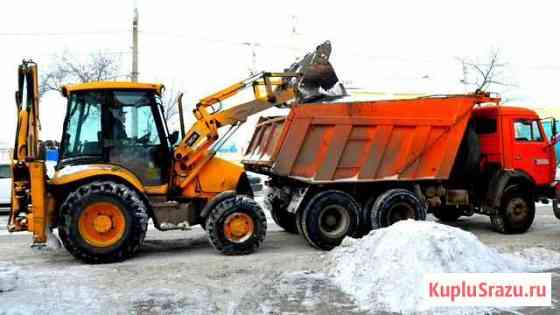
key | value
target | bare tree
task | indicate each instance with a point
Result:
(169, 102)
(66, 69)
(483, 75)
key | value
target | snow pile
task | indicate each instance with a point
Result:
(8, 277)
(384, 270)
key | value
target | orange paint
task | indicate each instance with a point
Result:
(410, 139)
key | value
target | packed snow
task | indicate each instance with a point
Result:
(8, 277)
(383, 270)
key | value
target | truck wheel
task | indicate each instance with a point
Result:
(395, 205)
(516, 213)
(236, 225)
(446, 214)
(283, 218)
(103, 222)
(328, 217)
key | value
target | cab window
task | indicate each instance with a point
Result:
(83, 131)
(132, 118)
(5, 171)
(485, 126)
(527, 131)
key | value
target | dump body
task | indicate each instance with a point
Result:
(394, 140)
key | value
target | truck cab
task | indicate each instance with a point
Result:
(513, 139)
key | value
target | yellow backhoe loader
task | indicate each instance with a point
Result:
(119, 166)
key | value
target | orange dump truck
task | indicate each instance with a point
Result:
(344, 168)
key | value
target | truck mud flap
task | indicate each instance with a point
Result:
(297, 198)
(555, 208)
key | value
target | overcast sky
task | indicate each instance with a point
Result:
(199, 47)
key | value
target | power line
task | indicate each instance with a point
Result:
(64, 33)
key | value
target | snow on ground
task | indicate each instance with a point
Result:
(383, 270)
(8, 277)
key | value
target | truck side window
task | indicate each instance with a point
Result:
(527, 130)
(485, 126)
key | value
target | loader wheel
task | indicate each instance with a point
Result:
(328, 217)
(283, 218)
(516, 214)
(103, 222)
(446, 214)
(395, 205)
(236, 225)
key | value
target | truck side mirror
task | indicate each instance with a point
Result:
(554, 130)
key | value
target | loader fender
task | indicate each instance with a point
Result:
(216, 176)
(243, 188)
(218, 198)
(503, 179)
(75, 173)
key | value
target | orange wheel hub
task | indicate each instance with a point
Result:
(238, 227)
(102, 224)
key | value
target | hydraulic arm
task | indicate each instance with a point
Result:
(29, 202)
(310, 78)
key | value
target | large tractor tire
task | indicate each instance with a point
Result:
(103, 222)
(328, 217)
(447, 214)
(236, 225)
(281, 216)
(517, 212)
(395, 205)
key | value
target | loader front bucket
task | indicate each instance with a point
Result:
(318, 79)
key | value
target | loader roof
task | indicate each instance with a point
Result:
(111, 85)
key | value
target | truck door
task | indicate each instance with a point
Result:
(531, 151)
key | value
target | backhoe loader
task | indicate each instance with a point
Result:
(119, 166)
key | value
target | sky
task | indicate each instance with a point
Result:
(202, 46)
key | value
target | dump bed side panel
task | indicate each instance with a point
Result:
(366, 141)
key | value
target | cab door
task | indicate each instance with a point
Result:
(137, 139)
(531, 151)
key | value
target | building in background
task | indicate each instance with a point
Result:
(5, 150)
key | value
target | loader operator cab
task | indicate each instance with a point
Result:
(116, 125)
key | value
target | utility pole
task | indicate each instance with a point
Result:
(252, 46)
(294, 37)
(134, 73)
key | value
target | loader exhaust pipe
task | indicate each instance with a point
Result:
(317, 80)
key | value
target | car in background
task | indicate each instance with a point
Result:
(5, 184)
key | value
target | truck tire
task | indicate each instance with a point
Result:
(516, 213)
(328, 217)
(236, 225)
(365, 219)
(103, 222)
(395, 205)
(281, 217)
(446, 214)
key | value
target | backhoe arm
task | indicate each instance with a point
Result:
(28, 200)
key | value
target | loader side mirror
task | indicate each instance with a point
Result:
(173, 137)
(19, 99)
